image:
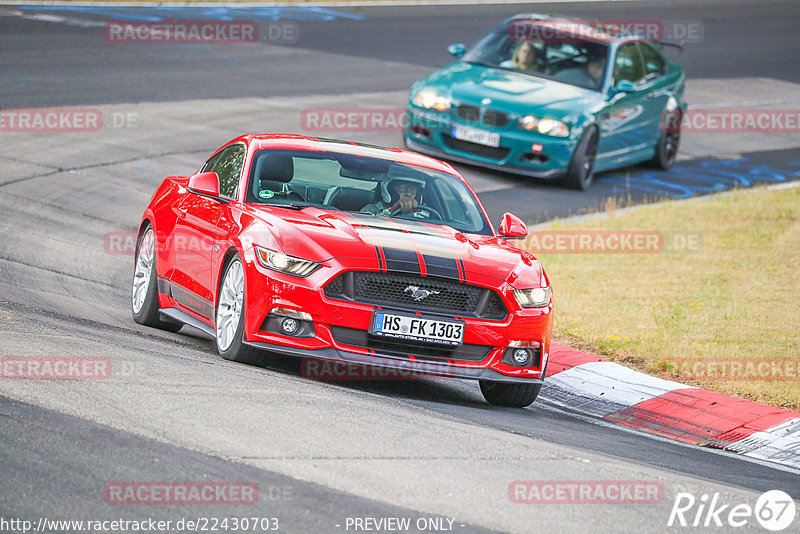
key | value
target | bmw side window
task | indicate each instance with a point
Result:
(654, 64)
(229, 168)
(628, 64)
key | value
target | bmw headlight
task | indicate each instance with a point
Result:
(533, 298)
(430, 99)
(278, 261)
(545, 126)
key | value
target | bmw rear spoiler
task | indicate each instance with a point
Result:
(679, 46)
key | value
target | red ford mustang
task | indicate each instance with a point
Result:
(339, 251)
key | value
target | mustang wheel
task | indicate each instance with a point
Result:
(144, 291)
(230, 316)
(581, 167)
(513, 395)
(668, 142)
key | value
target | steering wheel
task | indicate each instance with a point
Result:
(420, 208)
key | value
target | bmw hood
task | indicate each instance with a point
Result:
(511, 92)
(399, 245)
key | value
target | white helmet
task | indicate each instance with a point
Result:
(387, 196)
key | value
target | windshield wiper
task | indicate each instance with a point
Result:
(288, 205)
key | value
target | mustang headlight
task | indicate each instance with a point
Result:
(278, 261)
(533, 298)
(545, 126)
(430, 99)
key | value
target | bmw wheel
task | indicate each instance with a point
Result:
(230, 316)
(144, 288)
(581, 167)
(511, 395)
(668, 142)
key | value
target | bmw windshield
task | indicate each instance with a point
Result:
(555, 50)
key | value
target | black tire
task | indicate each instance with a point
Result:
(511, 395)
(581, 167)
(236, 349)
(668, 142)
(148, 314)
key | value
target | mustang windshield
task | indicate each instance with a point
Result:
(556, 50)
(370, 185)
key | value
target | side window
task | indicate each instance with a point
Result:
(228, 165)
(628, 64)
(210, 163)
(653, 62)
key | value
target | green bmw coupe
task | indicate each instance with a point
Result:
(551, 98)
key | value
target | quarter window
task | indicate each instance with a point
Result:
(228, 165)
(653, 62)
(628, 64)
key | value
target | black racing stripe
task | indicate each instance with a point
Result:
(402, 260)
(440, 260)
(399, 250)
(401, 240)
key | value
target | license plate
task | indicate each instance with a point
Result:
(417, 328)
(474, 135)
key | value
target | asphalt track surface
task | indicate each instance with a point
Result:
(319, 452)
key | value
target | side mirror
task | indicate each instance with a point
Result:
(623, 86)
(205, 183)
(456, 50)
(512, 227)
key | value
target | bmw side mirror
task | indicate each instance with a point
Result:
(623, 86)
(512, 227)
(457, 50)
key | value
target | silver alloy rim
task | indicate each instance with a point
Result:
(231, 300)
(143, 271)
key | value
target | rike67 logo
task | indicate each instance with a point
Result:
(774, 510)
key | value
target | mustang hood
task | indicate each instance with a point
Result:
(399, 245)
(512, 92)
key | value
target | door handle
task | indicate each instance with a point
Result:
(182, 213)
(651, 95)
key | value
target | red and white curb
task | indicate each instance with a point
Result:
(612, 392)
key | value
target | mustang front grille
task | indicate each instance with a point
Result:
(417, 293)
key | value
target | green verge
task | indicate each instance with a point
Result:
(718, 307)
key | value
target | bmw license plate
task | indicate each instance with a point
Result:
(474, 135)
(417, 328)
